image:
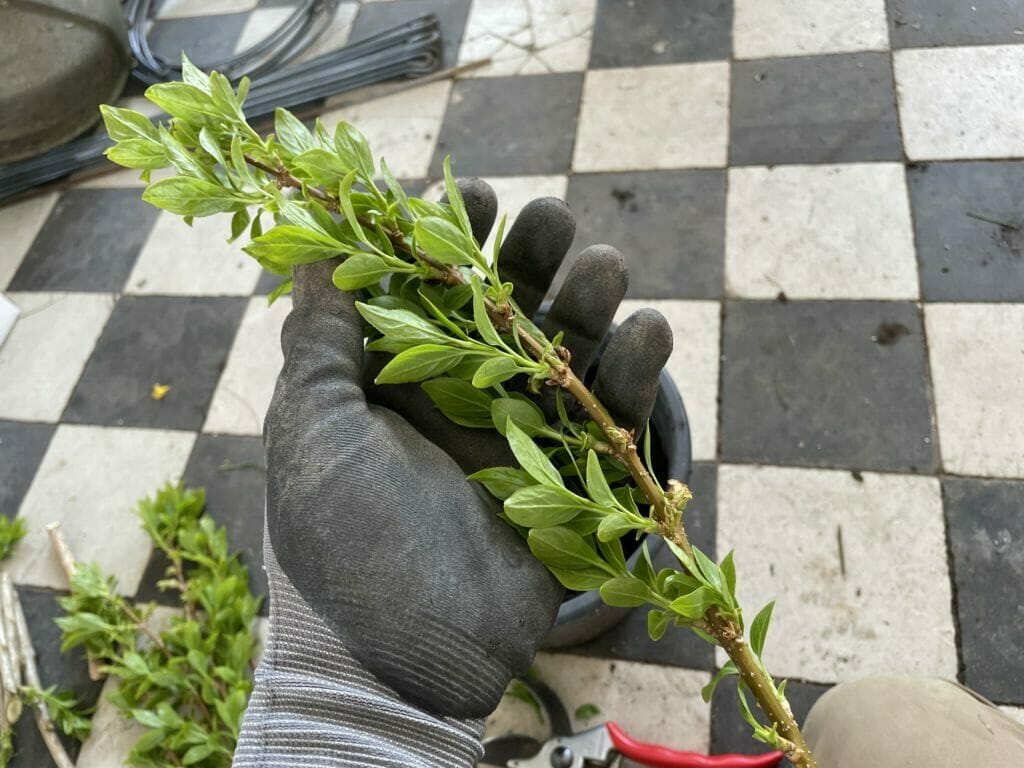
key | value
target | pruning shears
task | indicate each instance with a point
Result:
(600, 747)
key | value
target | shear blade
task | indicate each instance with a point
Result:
(501, 749)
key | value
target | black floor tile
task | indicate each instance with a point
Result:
(986, 532)
(679, 647)
(268, 282)
(68, 671)
(670, 226)
(818, 383)
(230, 469)
(731, 733)
(969, 227)
(21, 449)
(660, 32)
(89, 242)
(206, 39)
(180, 342)
(377, 17)
(510, 125)
(921, 23)
(814, 109)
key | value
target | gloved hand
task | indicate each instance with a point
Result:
(401, 605)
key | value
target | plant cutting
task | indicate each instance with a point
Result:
(436, 304)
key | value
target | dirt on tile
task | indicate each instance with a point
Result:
(888, 333)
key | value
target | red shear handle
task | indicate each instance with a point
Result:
(662, 757)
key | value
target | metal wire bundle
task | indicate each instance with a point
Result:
(411, 49)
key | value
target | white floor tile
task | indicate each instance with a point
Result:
(20, 223)
(958, 103)
(1016, 713)
(820, 231)
(90, 481)
(44, 355)
(977, 362)
(843, 611)
(649, 118)
(193, 261)
(183, 9)
(112, 737)
(528, 37)
(650, 702)
(248, 380)
(513, 192)
(764, 28)
(693, 365)
(401, 128)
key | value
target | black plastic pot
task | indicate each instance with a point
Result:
(583, 617)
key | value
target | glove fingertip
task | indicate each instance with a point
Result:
(481, 206)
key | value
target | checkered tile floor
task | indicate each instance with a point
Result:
(823, 198)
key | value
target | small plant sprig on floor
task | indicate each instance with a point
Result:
(186, 679)
(438, 305)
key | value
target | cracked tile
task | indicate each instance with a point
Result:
(528, 37)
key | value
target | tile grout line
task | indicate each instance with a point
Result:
(928, 383)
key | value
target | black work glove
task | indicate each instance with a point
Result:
(369, 512)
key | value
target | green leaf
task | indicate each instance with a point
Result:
(401, 325)
(498, 239)
(187, 102)
(728, 569)
(359, 270)
(709, 569)
(582, 580)
(291, 133)
(501, 482)
(197, 754)
(643, 569)
(560, 547)
(759, 628)
(353, 150)
(709, 689)
(418, 363)
(345, 201)
(614, 526)
(496, 370)
(11, 532)
(587, 711)
(480, 317)
(657, 623)
(443, 241)
(288, 245)
(192, 75)
(124, 124)
(138, 153)
(694, 604)
(532, 459)
(612, 551)
(320, 167)
(454, 196)
(597, 485)
(190, 197)
(524, 414)
(542, 506)
(239, 223)
(624, 592)
(187, 163)
(461, 402)
(392, 184)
